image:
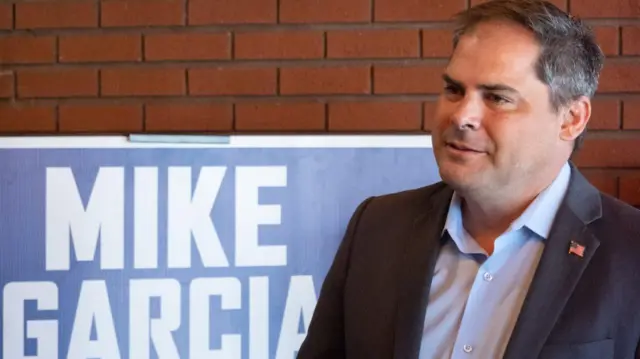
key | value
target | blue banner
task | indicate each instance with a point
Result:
(194, 252)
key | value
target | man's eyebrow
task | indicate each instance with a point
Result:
(497, 87)
(485, 87)
(451, 81)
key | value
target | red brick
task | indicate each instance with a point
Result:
(100, 48)
(327, 11)
(630, 189)
(142, 13)
(631, 115)
(188, 46)
(417, 10)
(631, 40)
(212, 12)
(562, 4)
(605, 114)
(608, 38)
(188, 117)
(605, 9)
(437, 42)
(137, 81)
(57, 82)
(373, 43)
(279, 45)
(6, 16)
(6, 84)
(232, 81)
(611, 151)
(605, 181)
(23, 49)
(100, 118)
(23, 118)
(56, 14)
(620, 77)
(325, 80)
(416, 79)
(288, 116)
(429, 115)
(375, 116)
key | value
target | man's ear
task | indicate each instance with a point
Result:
(576, 117)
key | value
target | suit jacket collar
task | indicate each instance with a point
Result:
(558, 271)
(556, 276)
(414, 282)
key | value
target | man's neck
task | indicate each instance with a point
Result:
(486, 216)
(486, 221)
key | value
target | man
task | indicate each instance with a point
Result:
(514, 254)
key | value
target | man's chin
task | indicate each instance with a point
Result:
(459, 178)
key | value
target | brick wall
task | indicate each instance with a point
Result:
(117, 66)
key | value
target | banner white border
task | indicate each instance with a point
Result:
(233, 141)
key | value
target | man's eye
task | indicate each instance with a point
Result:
(450, 89)
(497, 99)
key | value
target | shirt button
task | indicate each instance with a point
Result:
(467, 348)
(488, 277)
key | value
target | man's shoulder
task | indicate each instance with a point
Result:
(391, 215)
(620, 216)
(618, 230)
(409, 202)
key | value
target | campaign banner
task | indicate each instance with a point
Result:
(112, 249)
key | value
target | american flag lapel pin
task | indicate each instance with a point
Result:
(576, 249)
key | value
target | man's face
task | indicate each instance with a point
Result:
(495, 127)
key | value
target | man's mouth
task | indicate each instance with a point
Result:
(462, 147)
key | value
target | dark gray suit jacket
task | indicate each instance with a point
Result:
(373, 301)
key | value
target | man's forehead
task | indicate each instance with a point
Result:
(487, 56)
(503, 70)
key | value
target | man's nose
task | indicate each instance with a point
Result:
(468, 113)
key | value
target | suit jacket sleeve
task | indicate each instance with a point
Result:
(325, 336)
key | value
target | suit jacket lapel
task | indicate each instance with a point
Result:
(558, 271)
(414, 281)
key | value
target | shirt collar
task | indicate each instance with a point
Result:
(538, 217)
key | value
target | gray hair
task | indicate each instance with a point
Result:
(570, 61)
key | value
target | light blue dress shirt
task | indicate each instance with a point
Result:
(475, 299)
